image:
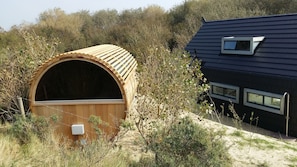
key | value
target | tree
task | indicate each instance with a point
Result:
(272, 7)
(17, 66)
(55, 23)
(140, 29)
(185, 19)
(104, 22)
(167, 88)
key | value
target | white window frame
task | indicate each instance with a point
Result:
(263, 106)
(254, 42)
(222, 97)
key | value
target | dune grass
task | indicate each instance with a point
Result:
(53, 151)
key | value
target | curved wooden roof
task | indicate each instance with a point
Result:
(118, 60)
(114, 59)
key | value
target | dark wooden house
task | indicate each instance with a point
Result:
(252, 62)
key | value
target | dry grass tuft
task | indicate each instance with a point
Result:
(56, 152)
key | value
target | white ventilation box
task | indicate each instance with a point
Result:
(77, 129)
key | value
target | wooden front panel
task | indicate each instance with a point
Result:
(130, 88)
(110, 114)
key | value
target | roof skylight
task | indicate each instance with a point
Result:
(240, 45)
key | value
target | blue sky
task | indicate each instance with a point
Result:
(16, 12)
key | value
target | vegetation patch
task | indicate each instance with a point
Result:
(187, 144)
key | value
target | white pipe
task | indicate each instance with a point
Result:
(288, 111)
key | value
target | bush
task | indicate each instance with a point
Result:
(30, 142)
(187, 144)
(168, 87)
(25, 129)
(18, 64)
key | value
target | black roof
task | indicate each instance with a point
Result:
(276, 55)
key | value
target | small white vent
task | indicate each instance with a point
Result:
(78, 129)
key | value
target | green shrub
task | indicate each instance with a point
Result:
(29, 142)
(187, 144)
(144, 162)
(24, 129)
(96, 121)
(18, 64)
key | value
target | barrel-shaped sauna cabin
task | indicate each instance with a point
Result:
(74, 86)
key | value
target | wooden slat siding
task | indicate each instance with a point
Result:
(131, 67)
(105, 55)
(277, 55)
(129, 73)
(122, 61)
(112, 58)
(109, 114)
(126, 69)
(96, 50)
(120, 64)
(118, 60)
(122, 67)
(131, 88)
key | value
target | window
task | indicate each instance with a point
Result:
(264, 100)
(240, 45)
(224, 92)
(237, 45)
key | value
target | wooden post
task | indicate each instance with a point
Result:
(21, 106)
